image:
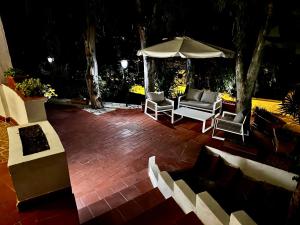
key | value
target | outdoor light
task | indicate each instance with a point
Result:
(50, 59)
(124, 63)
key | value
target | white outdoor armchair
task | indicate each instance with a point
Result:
(232, 123)
(157, 104)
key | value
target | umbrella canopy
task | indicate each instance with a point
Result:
(185, 47)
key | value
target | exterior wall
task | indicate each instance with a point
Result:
(5, 60)
(3, 104)
(15, 105)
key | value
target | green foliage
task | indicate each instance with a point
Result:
(13, 72)
(34, 87)
(170, 75)
(217, 75)
(115, 82)
(291, 105)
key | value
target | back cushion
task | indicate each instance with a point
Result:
(209, 96)
(208, 164)
(194, 94)
(227, 175)
(239, 117)
(156, 96)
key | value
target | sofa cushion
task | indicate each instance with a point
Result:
(197, 104)
(229, 126)
(194, 94)
(209, 96)
(156, 96)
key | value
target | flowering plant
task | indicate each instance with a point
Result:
(34, 87)
(13, 72)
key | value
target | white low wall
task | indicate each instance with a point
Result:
(23, 111)
(209, 211)
(239, 218)
(3, 104)
(184, 196)
(203, 204)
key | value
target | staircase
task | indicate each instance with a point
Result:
(148, 208)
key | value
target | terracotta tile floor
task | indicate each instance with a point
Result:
(58, 210)
(108, 155)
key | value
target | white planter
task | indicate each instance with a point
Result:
(39, 173)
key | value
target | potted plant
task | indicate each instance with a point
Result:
(13, 76)
(34, 87)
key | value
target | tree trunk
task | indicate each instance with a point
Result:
(245, 84)
(148, 83)
(92, 77)
(149, 75)
(242, 100)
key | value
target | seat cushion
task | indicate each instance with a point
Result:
(229, 126)
(156, 96)
(194, 94)
(196, 104)
(209, 96)
(162, 105)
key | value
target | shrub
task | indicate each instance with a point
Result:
(34, 87)
(13, 72)
(291, 105)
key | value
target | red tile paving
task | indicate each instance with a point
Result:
(55, 211)
(108, 155)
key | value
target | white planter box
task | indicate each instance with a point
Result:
(39, 173)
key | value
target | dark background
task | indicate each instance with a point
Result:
(38, 29)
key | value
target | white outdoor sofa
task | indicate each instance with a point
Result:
(204, 100)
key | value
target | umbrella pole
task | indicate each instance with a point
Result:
(146, 77)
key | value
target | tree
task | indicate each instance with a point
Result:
(148, 65)
(246, 76)
(91, 76)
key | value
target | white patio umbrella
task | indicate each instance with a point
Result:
(185, 47)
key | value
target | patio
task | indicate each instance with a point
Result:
(107, 158)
